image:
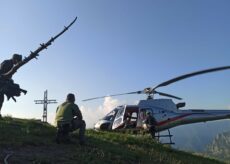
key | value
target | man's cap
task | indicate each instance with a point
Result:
(17, 57)
(148, 112)
(70, 97)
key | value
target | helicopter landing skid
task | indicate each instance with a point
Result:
(158, 136)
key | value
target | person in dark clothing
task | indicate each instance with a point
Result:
(5, 67)
(69, 118)
(127, 120)
(151, 124)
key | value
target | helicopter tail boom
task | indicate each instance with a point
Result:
(192, 116)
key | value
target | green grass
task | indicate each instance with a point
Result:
(30, 141)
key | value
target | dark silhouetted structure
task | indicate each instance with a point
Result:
(9, 68)
(45, 103)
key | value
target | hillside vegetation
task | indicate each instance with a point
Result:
(29, 141)
(220, 147)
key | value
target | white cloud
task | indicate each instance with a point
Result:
(51, 117)
(91, 116)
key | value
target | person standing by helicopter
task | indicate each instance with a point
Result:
(151, 123)
(5, 67)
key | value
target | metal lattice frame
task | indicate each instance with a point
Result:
(45, 103)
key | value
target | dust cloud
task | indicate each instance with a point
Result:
(91, 116)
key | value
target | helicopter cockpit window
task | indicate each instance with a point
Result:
(110, 116)
(134, 116)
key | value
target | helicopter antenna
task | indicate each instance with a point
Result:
(151, 91)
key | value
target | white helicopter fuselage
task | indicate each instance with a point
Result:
(168, 115)
(165, 112)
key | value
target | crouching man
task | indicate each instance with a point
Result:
(68, 119)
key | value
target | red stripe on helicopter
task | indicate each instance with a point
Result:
(172, 119)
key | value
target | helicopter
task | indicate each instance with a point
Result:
(166, 113)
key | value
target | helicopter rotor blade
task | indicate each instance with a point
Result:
(136, 92)
(151, 90)
(190, 75)
(167, 95)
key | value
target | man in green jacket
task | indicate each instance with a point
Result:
(69, 118)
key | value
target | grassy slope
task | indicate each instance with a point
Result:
(28, 141)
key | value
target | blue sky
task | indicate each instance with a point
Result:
(115, 47)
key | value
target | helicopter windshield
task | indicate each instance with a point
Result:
(110, 115)
(120, 112)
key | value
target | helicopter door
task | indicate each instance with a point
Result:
(130, 117)
(118, 121)
(142, 116)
